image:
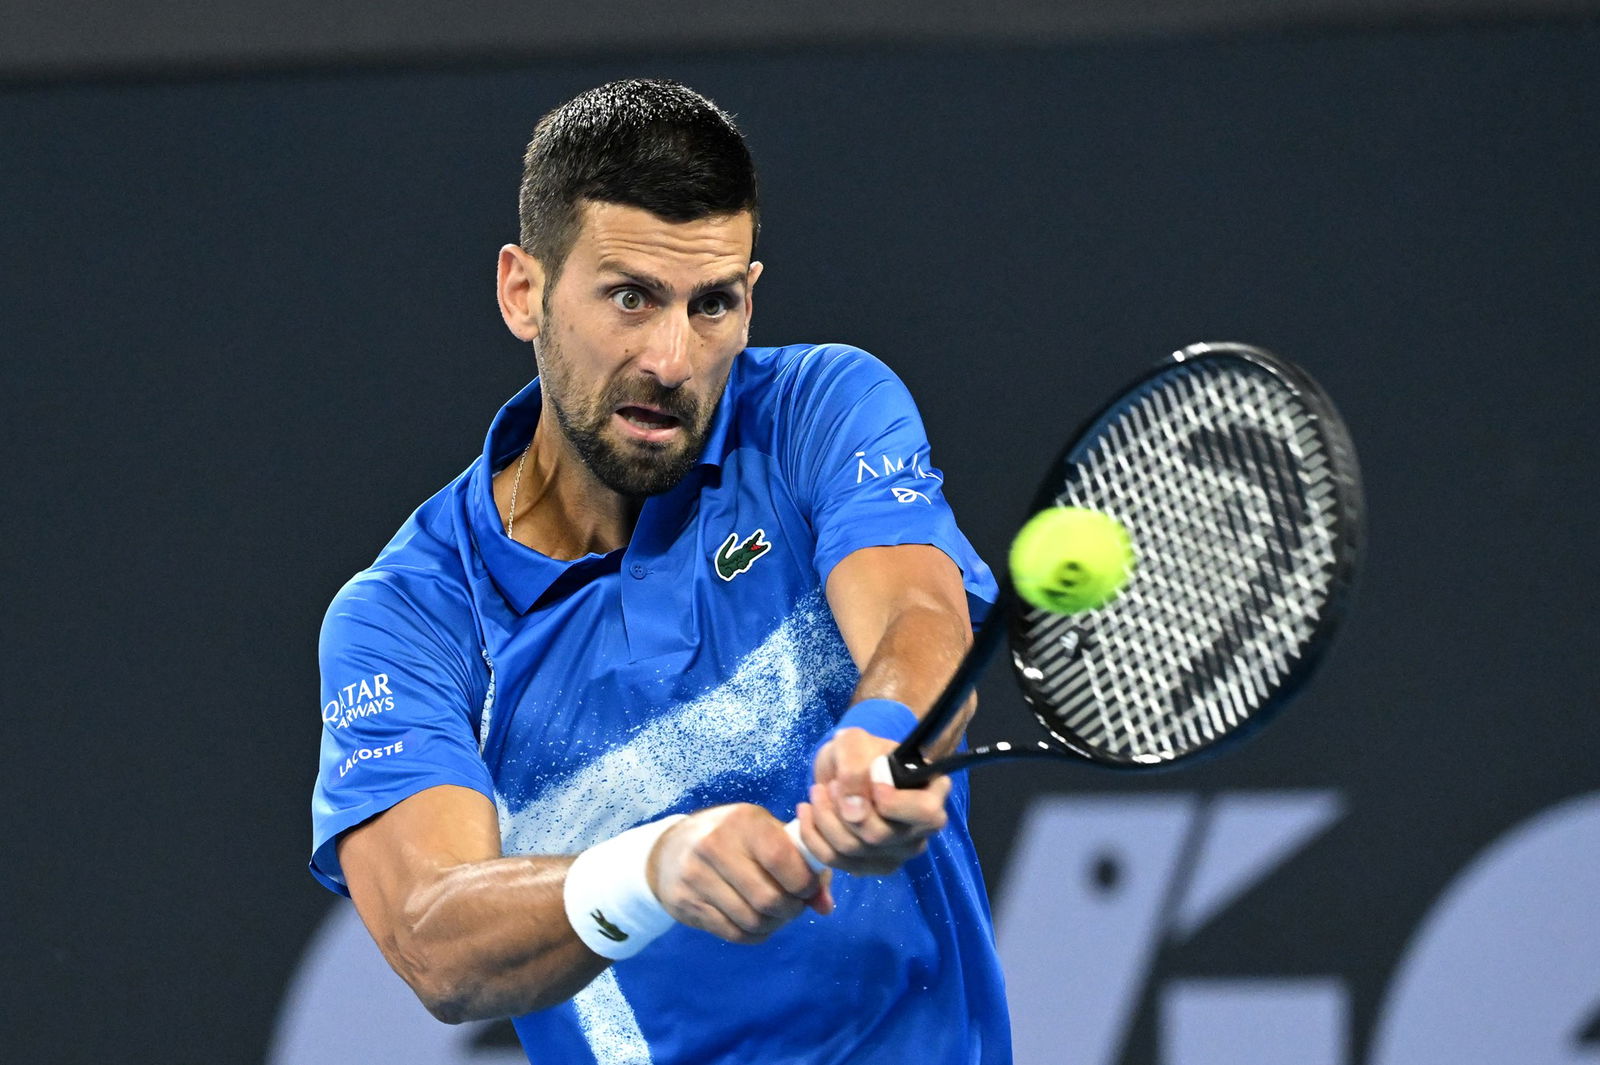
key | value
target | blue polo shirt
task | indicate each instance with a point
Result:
(699, 665)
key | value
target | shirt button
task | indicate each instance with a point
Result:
(638, 570)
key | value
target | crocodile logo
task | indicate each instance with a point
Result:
(732, 561)
(606, 928)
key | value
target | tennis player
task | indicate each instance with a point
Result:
(690, 590)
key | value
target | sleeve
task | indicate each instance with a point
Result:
(858, 459)
(399, 697)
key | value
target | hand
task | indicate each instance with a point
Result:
(859, 826)
(732, 871)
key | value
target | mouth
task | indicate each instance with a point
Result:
(647, 423)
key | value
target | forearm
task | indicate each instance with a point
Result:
(922, 644)
(903, 613)
(872, 829)
(489, 939)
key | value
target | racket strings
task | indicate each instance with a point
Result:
(1224, 478)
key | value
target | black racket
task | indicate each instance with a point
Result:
(1236, 477)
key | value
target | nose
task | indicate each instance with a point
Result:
(667, 355)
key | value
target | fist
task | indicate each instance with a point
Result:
(732, 871)
(858, 825)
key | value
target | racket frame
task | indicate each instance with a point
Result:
(910, 767)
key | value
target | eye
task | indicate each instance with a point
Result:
(714, 305)
(628, 299)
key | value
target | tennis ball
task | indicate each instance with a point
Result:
(1069, 559)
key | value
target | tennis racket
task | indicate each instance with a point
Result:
(1236, 477)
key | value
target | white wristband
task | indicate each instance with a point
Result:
(608, 896)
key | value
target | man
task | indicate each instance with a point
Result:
(569, 708)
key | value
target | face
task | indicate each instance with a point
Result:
(637, 336)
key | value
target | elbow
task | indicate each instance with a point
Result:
(456, 991)
(446, 1006)
(451, 999)
(449, 995)
(459, 1001)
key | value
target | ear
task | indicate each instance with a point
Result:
(520, 288)
(751, 278)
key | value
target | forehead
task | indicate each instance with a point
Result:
(615, 236)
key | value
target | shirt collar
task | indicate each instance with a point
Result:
(521, 573)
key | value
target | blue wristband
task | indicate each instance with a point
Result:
(881, 717)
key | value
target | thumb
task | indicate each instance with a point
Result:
(850, 788)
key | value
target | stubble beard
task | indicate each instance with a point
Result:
(632, 468)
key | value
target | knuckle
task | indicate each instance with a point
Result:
(769, 902)
(847, 847)
(876, 834)
(749, 924)
(694, 879)
(823, 851)
(774, 851)
(697, 914)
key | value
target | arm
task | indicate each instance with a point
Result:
(474, 934)
(477, 935)
(903, 613)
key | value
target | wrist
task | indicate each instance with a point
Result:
(607, 893)
(885, 718)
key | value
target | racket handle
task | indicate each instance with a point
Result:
(793, 828)
(881, 774)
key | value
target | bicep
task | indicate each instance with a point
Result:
(392, 860)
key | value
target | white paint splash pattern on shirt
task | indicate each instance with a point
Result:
(486, 714)
(609, 1024)
(751, 723)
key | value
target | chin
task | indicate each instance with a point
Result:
(643, 469)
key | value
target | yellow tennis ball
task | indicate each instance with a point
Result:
(1068, 559)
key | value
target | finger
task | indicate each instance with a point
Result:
(822, 901)
(825, 765)
(839, 841)
(913, 811)
(765, 901)
(718, 907)
(783, 862)
(843, 850)
(819, 845)
(851, 787)
(703, 913)
(890, 845)
(867, 824)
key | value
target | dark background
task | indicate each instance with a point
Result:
(248, 323)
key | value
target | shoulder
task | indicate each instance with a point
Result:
(418, 585)
(800, 383)
(802, 366)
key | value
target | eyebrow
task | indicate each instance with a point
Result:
(660, 287)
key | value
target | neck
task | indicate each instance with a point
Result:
(562, 511)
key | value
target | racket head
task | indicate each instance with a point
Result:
(1236, 477)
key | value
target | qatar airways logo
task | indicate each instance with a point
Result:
(366, 697)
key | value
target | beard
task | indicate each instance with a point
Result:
(627, 467)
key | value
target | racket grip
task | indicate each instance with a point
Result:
(793, 828)
(881, 774)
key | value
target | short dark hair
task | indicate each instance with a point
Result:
(647, 143)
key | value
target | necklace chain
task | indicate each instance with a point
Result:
(511, 511)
